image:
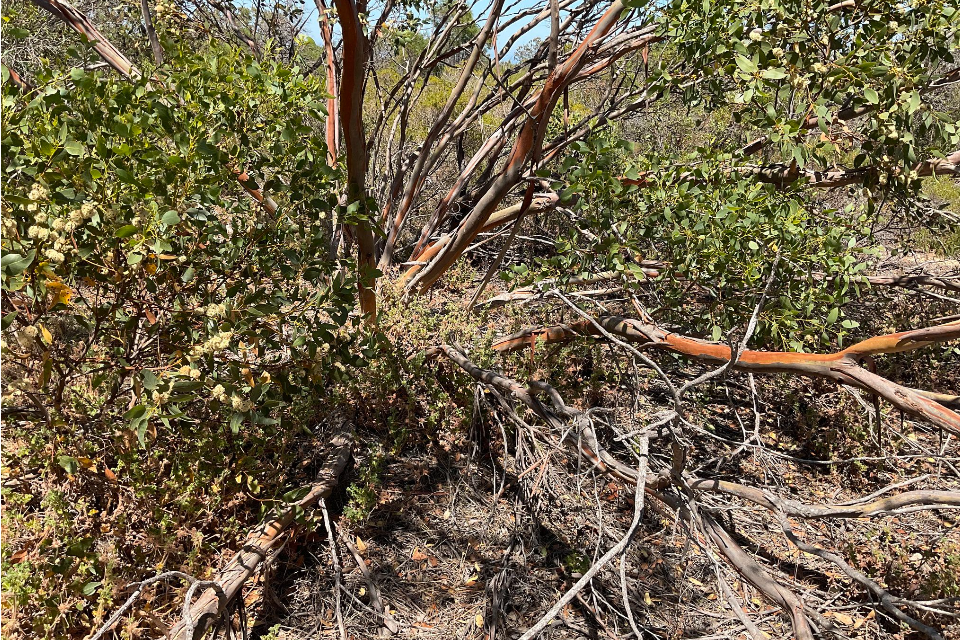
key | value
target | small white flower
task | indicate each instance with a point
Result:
(777, 51)
(59, 224)
(182, 259)
(184, 370)
(76, 218)
(87, 209)
(219, 393)
(33, 232)
(161, 398)
(136, 221)
(194, 374)
(41, 217)
(756, 35)
(54, 256)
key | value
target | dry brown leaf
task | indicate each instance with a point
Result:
(418, 555)
(361, 545)
(843, 619)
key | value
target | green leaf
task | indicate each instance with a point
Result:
(833, 315)
(170, 218)
(235, 421)
(150, 380)
(73, 147)
(14, 264)
(746, 64)
(69, 464)
(8, 319)
(871, 95)
(125, 231)
(914, 103)
(90, 588)
(774, 74)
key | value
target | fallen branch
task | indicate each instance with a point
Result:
(376, 602)
(167, 575)
(230, 579)
(841, 366)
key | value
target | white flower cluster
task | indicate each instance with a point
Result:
(240, 404)
(188, 371)
(36, 232)
(60, 226)
(161, 397)
(219, 393)
(215, 310)
(217, 343)
(38, 192)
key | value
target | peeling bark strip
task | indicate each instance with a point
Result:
(231, 578)
(841, 366)
(333, 115)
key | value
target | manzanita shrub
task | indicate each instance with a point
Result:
(720, 235)
(807, 85)
(157, 319)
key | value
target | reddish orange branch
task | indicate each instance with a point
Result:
(841, 366)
